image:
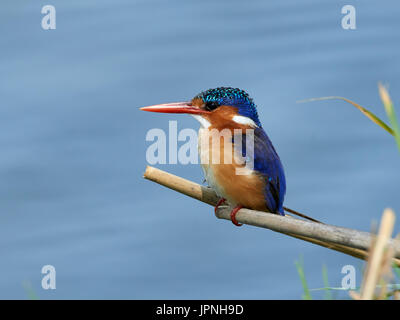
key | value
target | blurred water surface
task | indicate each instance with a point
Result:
(73, 141)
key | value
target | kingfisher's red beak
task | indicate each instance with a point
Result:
(175, 107)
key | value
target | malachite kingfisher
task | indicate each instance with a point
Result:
(263, 187)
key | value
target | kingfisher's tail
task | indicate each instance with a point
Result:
(301, 215)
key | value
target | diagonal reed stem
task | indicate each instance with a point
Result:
(348, 241)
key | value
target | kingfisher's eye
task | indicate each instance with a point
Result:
(211, 105)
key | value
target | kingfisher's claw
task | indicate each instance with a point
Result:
(233, 216)
(221, 201)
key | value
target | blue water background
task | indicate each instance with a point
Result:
(73, 142)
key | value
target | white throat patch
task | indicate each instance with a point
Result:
(203, 122)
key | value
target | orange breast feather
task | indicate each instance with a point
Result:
(246, 190)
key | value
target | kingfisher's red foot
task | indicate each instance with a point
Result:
(233, 216)
(221, 201)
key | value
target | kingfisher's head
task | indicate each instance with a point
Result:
(220, 108)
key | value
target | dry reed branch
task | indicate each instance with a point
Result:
(348, 241)
(376, 258)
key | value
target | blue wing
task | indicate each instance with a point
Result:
(268, 165)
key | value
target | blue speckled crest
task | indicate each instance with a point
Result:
(232, 97)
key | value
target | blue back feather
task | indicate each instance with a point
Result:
(268, 165)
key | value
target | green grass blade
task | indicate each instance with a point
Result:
(396, 270)
(328, 293)
(366, 112)
(29, 290)
(300, 270)
(389, 108)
